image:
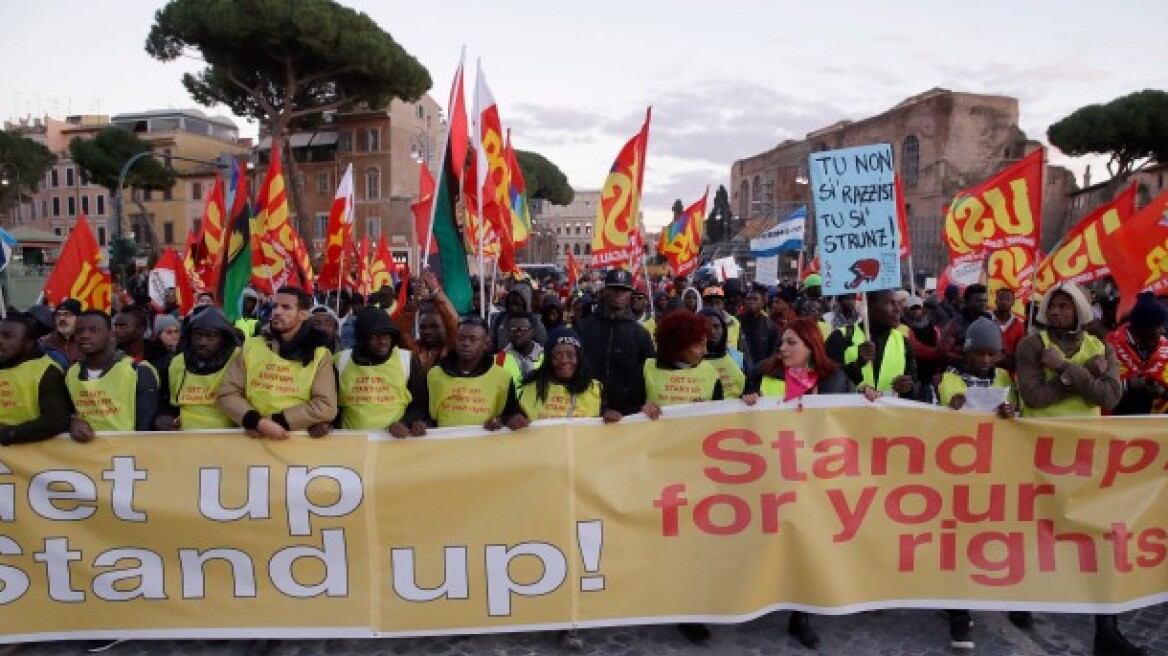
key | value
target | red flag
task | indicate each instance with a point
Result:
(1137, 253)
(212, 231)
(681, 240)
(382, 267)
(616, 235)
(76, 274)
(274, 262)
(340, 225)
(169, 271)
(573, 270)
(810, 268)
(364, 279)
(402, 290)
(1079, 256)
(193, 254)
(423, 209)
(902, 220)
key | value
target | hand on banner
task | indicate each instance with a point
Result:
(957, 402)
(517, 422)
(865, 353)
(750, 399)
(493, 424)
(1006, 411)
(902, 384)
(611, 416)
(1053, 359)
(398, 430)
(269, 430)
(81, 431)
(652, 411)
(320, 430)
(870, 393)
(167, 423)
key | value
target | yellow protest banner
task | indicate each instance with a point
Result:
(716, 512)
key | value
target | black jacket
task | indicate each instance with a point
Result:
(616, 349)
(759, 335)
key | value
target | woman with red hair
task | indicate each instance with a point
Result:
(800, 367)
(679, 373)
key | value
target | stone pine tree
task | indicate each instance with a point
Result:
(23, 164)
(1131, 130)
(719, 220)
(283, 63)
(544, 179)
(101, 160)
(677, 208)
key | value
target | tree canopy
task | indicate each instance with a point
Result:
(718, 221)
(101, 160)
(23, 164)
(544, 179)
(274, 60)
(1132, 130)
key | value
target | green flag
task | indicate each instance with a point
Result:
(235, 273)
(446, 234)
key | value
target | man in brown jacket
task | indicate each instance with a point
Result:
(285, 381)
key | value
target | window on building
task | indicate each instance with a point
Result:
(910, 161)
(577, 229)
(44, 208)
(57, 231)
(756, 191)
(69, 176)
(32, 209)
(744, 199)
(85, 204)
(168, 232)
(196, 225)
(147, 194)
(373, 227)
(372, 184)
(101, 235)
(421, 111)
(576, 248)
(344, 142)
(587, 249)
(323, 183)
(56, 207)
(321, 226)
(588, 230)
(71, 204)
(54, 180)
(373, 140)
(558, 230)
(84, 178)
(196, 191)
(168, 193)
(100, 205)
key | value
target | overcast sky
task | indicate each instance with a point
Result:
(726, 79)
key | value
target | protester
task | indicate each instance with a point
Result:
(523, 354)
(800, 367)
(437, 335)
(322, 319)
(974, 306)
(382, 385)
(1013, 329)
(191, 381)
(551, 312)
(691, 299)
(883, 362)
(925, 338)
(108, 390)
(130, 326)
(163, 342)
(295, 352)
(983, 352)
(843, 313)
(1065, 372)
(715, 297)
(517, 303)
(249, 307)
(1142, 352)
(467, 388)
(36, 401)
(63, 338)
(759, 334)
(616, 346)
(813, 286)
(562, 387)
(726, 359)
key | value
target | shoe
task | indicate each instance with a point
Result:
(1110, 642)
(1023, 619)
(698, 634)
(571, 639)
(799, 628)
(960, 629)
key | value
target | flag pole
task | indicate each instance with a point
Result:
(912, 275)
(341, 268)
(3, 305)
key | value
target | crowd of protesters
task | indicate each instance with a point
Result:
(612, 346)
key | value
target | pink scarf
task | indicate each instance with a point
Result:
(799, 381)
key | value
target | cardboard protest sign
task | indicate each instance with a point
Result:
(855, 219)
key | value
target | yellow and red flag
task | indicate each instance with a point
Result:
(382, 267)
(1079, 257)
(999, 219)
(274, 260)
(681, 240)
(76, 274)
(616, 235)
(364, 275)
(1137, 253)
(206, 256)
(340, 226)
(491, 175)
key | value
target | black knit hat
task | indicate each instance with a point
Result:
(372, 321)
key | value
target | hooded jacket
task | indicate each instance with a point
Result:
(499, 321)
(616, 348)
(211, 318)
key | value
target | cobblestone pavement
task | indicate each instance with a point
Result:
(881, 633)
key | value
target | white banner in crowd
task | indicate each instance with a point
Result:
(786, 236)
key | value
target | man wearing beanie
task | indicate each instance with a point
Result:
(382, 384)
(62, 338)
(1063, 371)
(1142, 351)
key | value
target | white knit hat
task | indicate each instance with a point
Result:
(1083, 313)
